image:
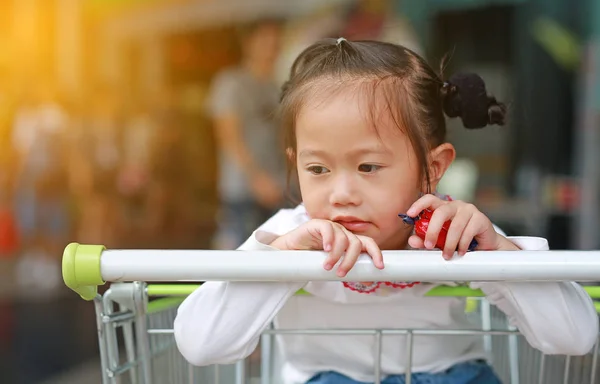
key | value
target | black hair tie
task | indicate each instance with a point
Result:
(465, 96)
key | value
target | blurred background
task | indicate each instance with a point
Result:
(123, 121)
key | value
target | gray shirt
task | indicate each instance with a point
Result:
(254, 102)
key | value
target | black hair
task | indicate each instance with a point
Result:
(415, 95)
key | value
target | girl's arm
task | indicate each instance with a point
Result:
(554, 317)
(221, 322)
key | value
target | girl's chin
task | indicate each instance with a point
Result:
(397, 242)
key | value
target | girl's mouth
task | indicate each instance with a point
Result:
(353, 224)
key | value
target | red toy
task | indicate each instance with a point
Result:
(421, 224)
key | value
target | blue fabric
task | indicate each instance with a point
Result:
(471, 372)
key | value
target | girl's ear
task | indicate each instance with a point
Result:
(440, 159)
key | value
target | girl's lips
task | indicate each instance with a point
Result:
(354, 225)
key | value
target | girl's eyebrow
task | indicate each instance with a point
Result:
(311, 152)
(370, 150)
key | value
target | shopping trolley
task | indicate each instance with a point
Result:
(135, 314)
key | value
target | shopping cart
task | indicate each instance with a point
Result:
(135, 314)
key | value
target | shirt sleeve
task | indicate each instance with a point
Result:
(221, 322)
(224, 95)
(554, 317)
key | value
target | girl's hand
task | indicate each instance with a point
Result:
(468, 223)
(333, 238)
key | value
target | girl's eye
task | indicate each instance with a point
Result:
(317, 170)
(368, 168)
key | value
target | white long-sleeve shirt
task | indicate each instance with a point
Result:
(221, 322)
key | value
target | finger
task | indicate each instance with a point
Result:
(455, 231)
(471, 230)
(340, 243)
(351, 255)
(426, 201)
(439, 217)
(416, 242)
(370, 246)
(327, 233)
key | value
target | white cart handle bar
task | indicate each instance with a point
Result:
(84, 267)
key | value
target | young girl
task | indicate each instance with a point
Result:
(366, 133)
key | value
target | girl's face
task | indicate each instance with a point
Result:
(355, 175)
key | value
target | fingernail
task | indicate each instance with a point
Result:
(341, 273)
(428, 244)
(327, 247)
(327, 266)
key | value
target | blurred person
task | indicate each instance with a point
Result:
(242, 103)
(41, 206)
(42, 318)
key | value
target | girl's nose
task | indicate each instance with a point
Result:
(344, 191)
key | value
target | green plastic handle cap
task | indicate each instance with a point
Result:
(81, 269)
